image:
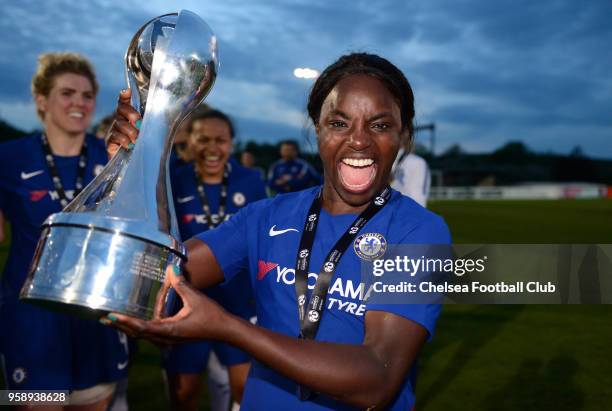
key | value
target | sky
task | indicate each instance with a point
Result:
(484, 72)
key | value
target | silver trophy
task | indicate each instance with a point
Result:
(108, 250)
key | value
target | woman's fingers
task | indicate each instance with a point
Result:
(191, 322)
(111, 147)
(163, 302)
(125, 96)
(117, 139)
(155, 330)
(177, 281)
(133, 327)
(124, 107)
(123, 128)
(126, 112)
(188, 294)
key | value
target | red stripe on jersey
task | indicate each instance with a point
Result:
(264, 268)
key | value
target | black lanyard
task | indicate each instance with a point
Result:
(57, 181)
(222, 200)
(309, 322)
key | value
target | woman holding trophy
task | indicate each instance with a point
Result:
(318, 344)
(39, 175)
(206, 193)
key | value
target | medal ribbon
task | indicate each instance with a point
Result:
(310, 317)
(222, 200)
(57, 181)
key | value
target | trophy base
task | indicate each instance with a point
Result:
(90, 271)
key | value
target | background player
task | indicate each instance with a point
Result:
(206, 193)
(39, 175)
(248, 160)
(410, 174)
(291, 173)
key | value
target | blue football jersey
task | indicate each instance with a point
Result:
(263, 239)
(78, 353)
(28, 197)
(243, 186)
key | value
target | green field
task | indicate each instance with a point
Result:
(528, 222)
(532, 357)
(494, 357)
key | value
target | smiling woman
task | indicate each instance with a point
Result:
(64, 90)
(206, 193)
(318, 343)
(39, 175)
(358, 130)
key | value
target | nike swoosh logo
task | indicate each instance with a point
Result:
(26, 176)
(184, 199)
(122, 365)
(274, 232)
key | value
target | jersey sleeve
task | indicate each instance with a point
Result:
(432, 231)
(229, 243)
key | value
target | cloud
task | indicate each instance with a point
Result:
(22, 115)
(484, 71)
(265, 102)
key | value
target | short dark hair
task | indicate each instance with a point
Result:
(371, 65)
(211, 113)
(290, 142)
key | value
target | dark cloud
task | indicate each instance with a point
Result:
(485, 71)
(264, 131)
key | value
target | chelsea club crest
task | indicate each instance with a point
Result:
(239, 199)
(370, 246)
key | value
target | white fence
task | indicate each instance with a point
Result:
(522, 192)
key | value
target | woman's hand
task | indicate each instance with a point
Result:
(124, 130)
(200, 318)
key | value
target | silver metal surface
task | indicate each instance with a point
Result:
(126, 213)
(93, 271)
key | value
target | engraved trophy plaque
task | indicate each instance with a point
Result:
(108, 250)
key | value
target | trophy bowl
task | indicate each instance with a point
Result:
(109, 249)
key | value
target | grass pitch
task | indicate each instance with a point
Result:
(528, 222)
(527, 357)
(523, 357)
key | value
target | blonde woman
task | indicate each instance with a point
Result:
(39, 175)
